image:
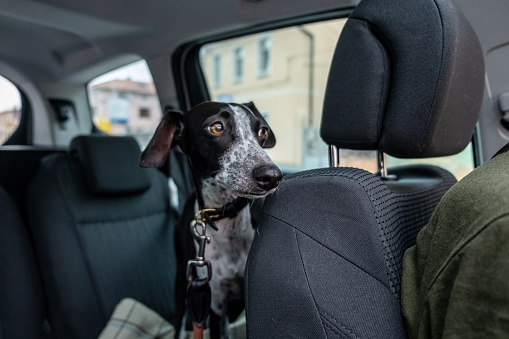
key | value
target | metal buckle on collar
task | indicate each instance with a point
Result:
(203, 214)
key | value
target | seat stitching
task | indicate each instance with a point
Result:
(331, 319)
(339, 255)
(307, 281)
(335, 330)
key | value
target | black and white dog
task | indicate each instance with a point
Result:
(224, 144)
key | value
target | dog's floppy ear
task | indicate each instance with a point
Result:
(167, 134)
(271, 139)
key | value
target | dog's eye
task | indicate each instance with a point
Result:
(263, 132)
(216, 128)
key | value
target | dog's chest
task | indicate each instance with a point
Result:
(227, 252)
(230, 245)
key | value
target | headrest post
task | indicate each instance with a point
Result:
(382, 167)
(333, 156)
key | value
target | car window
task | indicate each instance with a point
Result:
(284, 72)
(10, 109)
(124, 102)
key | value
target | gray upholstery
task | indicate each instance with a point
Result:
(22, 307)
(403, 75)
(96, 249)
(326, 259)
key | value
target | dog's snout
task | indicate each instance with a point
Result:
(267, 176)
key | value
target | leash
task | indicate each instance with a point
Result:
(199, 295)
(198, 289)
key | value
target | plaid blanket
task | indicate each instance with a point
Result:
(133, 320)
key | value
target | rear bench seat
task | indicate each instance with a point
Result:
(103, 231)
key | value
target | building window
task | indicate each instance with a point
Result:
(144, 113)
(124, 95)
(238, 64)
(217, 71)
(264, 54)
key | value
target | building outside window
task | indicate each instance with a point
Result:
(264, 55)
(238, 64)
(124, 102)
(10, 109)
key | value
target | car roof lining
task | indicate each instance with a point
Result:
(69, 41)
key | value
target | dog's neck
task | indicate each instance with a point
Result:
(218, 197)
(214, 195)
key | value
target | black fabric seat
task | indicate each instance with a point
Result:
(22, 306)
(103, 231)
(407, 80)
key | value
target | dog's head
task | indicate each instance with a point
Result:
(224, 144)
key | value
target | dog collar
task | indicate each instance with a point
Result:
(230, 210)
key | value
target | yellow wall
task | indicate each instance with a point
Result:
(284, 93)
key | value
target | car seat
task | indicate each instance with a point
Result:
(103, 231)
(406, 80)
(22, 306)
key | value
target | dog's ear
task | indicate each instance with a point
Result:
(167, 135)
(271, 139)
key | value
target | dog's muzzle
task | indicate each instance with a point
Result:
(267, 176)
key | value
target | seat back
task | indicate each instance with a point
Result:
(22, 306)
(406, 79)
(103, 232)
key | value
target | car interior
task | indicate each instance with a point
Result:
(379, 108)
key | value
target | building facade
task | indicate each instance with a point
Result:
(121, 107)
(9, 121)
(284, 72)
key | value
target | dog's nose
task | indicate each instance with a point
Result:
(267, 176)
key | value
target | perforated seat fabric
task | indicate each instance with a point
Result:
(95, 249)
(22, 307)
(338, 262)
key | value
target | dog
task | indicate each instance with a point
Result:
(224, 145)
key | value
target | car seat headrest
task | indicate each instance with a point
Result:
(110, 164)
(407, 78)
